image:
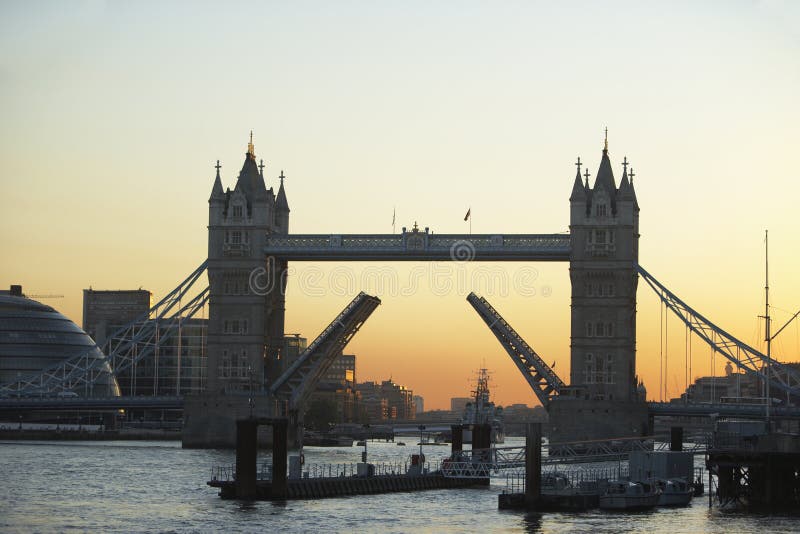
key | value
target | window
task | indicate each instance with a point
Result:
(601, 210)
(610, 290)
(236, 237)
(588, 329)
(237, 211)
(610, 329)
(599, 236)
(598, 331)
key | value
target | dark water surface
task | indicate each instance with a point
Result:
(159, 487)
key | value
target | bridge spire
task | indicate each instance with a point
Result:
(251, 149)
(578, 191)
(280, 200)
(216, 189)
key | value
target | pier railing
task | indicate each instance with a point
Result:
(225, 473)
(573, 479)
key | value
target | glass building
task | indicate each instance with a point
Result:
(34, 337)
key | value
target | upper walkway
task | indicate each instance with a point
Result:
(420, 246)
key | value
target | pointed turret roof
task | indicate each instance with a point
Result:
(578, 191)
(625, 190)
(216, 190)
(251, 181)
(280, 201)
(605, 175)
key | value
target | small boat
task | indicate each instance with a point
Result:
(624, 495)
(674, 492)
(401, 444)
(361, 443)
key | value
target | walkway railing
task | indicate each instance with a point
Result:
(338, 470)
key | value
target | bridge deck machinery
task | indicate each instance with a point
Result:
(420, 246)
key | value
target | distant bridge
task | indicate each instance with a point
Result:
(722, 410)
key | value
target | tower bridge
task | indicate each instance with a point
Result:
(247, 372)
(249, 228)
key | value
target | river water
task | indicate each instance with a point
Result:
(130, 486)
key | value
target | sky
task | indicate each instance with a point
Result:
(114, 114)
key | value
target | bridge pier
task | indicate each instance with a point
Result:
(533, 463)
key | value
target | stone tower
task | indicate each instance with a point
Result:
(602, 398)
(246, 305)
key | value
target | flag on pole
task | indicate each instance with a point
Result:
(393, 215)
(469, 212)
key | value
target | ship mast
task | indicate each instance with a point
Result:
(767, 336)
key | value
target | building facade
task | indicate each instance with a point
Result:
(106, 311)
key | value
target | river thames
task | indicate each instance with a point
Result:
(128, 486)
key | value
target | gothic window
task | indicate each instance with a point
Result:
(599, 236)
(588, 329)
(599, 370)
(610, 290)
(237, 211)
(601, 210)
(610, 329)
(225, 365)
(236, 237)
(609, 369)
(598, 331)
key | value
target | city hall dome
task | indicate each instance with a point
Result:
(34, 337)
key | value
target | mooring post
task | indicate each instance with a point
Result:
(246, 461)
(280, 435)
(533, 462)
(458, 439)
(676, 439)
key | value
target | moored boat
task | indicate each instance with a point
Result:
(624, 495)
(674, 491)
(481, 410)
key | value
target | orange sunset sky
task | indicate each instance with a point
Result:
(113, 115)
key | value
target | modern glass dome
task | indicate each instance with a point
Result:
(34, 336)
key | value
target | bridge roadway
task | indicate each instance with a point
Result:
(419, 246)
(72, 404)
(405, 427)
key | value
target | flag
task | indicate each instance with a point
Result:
(469, 212)
(393, 214)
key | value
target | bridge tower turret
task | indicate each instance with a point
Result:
(604, 234)
(246, 305)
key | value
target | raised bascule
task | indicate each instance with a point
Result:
(248, 375)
